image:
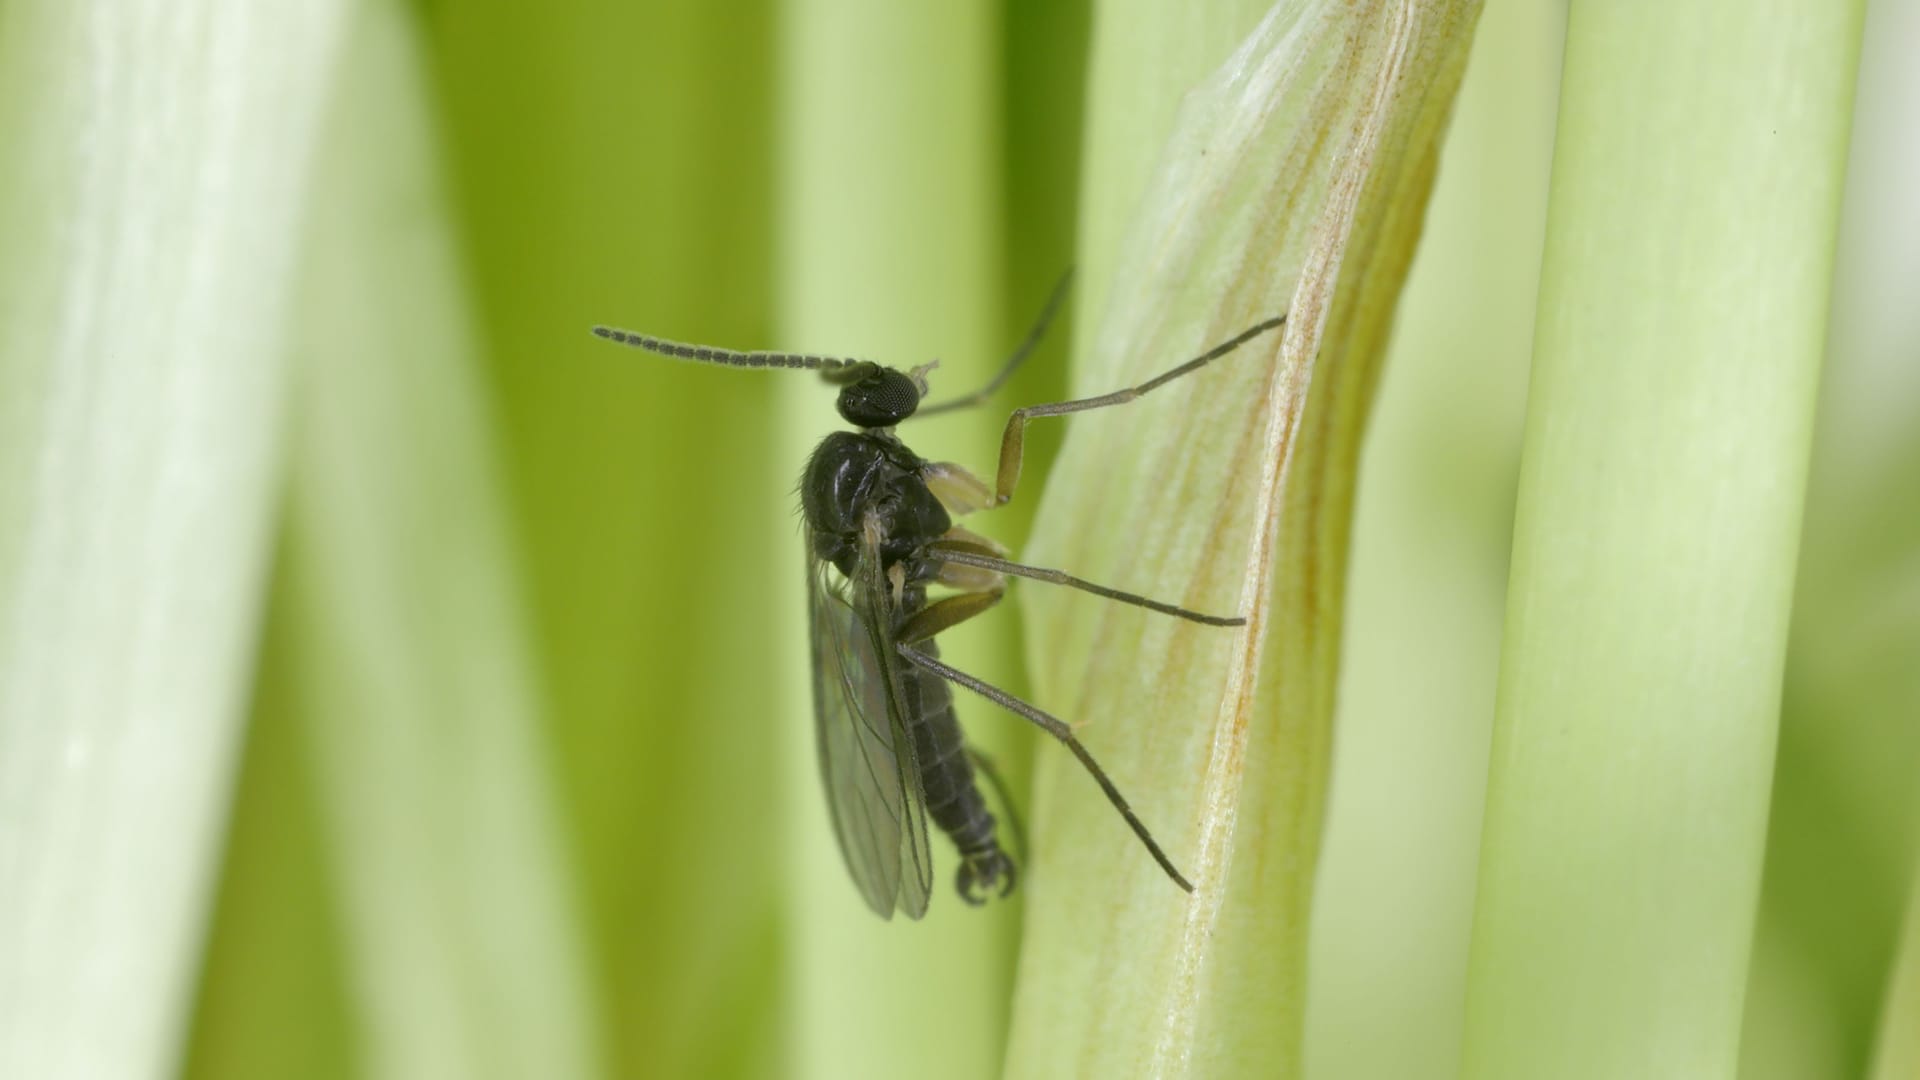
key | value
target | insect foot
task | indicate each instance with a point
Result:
(979, 871)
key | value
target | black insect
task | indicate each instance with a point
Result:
(880, 533)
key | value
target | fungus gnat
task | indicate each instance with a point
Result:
(879, 534)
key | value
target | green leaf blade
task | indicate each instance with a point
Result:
(1681, 323)
(1293, 182)
(156, 169)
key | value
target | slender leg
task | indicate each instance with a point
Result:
(958, 490)
(944, 615)
(967, 540)
(1013, 363)
(1010, 444)
(1059, 730)
(985, 766)
(967, 556)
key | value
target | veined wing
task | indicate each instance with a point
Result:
(866, 753)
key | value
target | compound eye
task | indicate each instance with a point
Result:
(882, 399)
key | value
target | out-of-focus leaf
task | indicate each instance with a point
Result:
(408, 654)
(612, 163)
(1680, 327)
(1898, 1055)
(156, 159)
(1844, 824)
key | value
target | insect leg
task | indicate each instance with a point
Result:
(967, 540)
(985, 766)
(1019, 356)
(967, 556)
(944, 615)
(958, 490)
(1011, 442)
(1059, 730)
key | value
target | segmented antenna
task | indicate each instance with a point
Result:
(707, 354)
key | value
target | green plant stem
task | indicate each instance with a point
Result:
(156, 161)
(1290, 177)
(1681, 317)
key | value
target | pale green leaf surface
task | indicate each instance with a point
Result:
(156, 162)
(1680, 326)
(1294, 181)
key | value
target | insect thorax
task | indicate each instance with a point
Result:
(854, 473)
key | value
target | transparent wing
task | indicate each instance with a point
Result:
(866, 755)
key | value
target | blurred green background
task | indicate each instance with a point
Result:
(608, 546)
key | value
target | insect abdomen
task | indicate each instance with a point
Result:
(946, 776)
(953, 800)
